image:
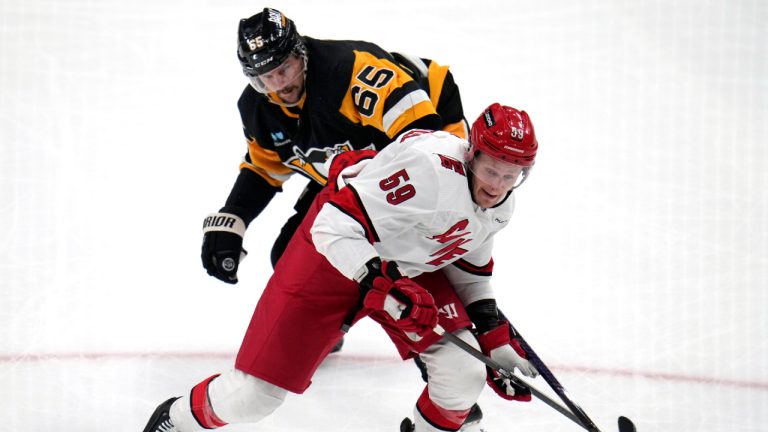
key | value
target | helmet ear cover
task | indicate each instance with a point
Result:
(265, 40)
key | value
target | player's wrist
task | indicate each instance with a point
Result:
(484, 314)
(376, 268)
(224, 221)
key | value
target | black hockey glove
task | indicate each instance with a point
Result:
(222, 248)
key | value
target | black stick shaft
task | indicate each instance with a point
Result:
(509, 375)
(549, 377)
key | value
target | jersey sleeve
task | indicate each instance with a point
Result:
(387, 198)
(437, 80)
(266, 163)
(444, 94)
(249, 196)
(261, 157)
(471, 275)
(382, 95)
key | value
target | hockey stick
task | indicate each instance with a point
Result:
(625, 425)
(469, 349)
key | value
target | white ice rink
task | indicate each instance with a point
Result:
(636, 263)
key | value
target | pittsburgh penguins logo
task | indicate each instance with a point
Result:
(312, 163)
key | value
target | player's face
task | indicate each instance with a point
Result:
(286, 80)
(493, 179)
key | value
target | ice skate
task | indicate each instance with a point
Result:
(161, 419)
(406, 425)
(473, 423)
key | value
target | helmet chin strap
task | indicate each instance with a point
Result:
(503, 199)
(470, 180)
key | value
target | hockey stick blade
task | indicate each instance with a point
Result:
(626, 425)
(549, 377)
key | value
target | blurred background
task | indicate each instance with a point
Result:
(636, 263)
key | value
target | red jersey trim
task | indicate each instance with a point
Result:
(486, 270)
(348, 202)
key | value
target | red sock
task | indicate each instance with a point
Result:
(441, 418)
(201, 406)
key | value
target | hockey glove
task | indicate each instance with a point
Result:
(505, 350)
(411, 306)
(222, 248)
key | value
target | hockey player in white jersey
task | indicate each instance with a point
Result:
(404, 237)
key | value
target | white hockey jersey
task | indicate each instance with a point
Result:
(412, 204)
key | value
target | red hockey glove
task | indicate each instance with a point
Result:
(412, 307)
(498, 345)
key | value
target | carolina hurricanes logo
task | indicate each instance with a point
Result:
(454, 238)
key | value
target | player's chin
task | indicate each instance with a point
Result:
(486, 200)
(291, 95)
(289, 99)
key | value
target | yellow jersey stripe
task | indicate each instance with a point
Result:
(417, 111)
(266, 163)
(437, 76)
(459, 129)
(405, 108)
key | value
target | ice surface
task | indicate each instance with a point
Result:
(636, 263)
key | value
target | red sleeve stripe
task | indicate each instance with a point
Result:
(348, 201)
(486, 270)
(200, 404)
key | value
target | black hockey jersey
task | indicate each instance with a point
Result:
(356, 96)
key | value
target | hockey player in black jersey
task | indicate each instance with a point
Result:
(309, 99)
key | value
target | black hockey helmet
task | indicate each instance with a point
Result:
(265, 40)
